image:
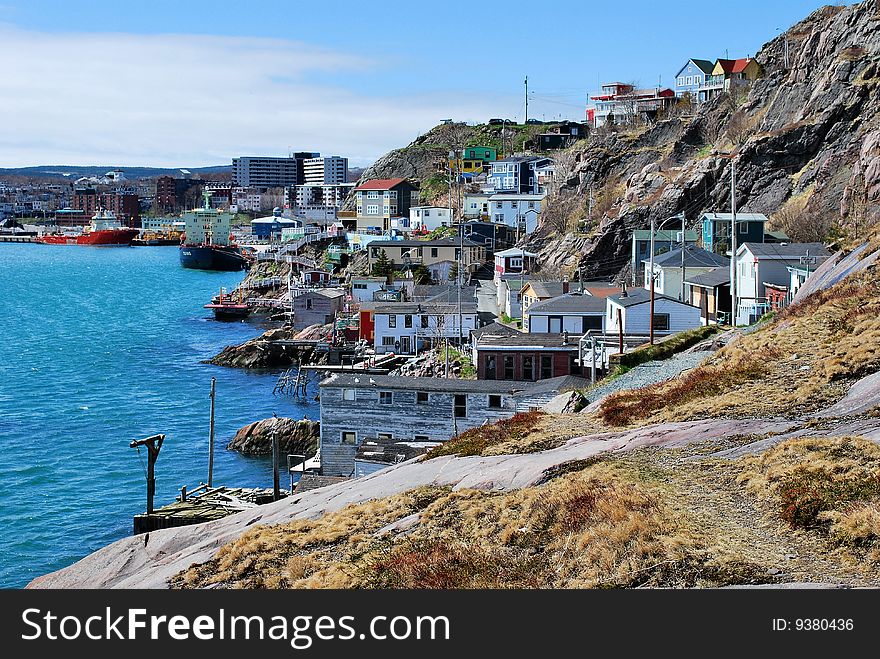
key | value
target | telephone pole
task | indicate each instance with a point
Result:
(733, 241)
(526, 120)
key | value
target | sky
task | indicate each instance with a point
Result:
(190, 83)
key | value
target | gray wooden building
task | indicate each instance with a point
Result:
(317, 307)
(358, 407)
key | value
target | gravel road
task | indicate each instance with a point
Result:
(647, 373)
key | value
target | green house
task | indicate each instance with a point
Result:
(484, 153)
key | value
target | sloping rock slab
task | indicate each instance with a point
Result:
(148, 561)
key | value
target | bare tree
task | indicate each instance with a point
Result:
(804, 225)
(738, 128)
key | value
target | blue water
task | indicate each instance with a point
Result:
(99, 347)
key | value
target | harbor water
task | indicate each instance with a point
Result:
(98, 347)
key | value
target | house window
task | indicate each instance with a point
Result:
(554, 325)
(372, 209)
(421, 397)
(531, 204)
(349, 437)
(422, 438)
(427, 213)
(498, 204)
(392, 321)
(308, 304)
(384, 435)
(495, 401)
(407, 321)
(743, 228)
(573, 366)
(424, 322)
(508, 367)
(516, 263)
(386, 397)
(387, 340)
(433, 252)
(513, 204)
(546, 366)
(590, 323)
(661, 322)
(460, 406)
(348, 394)
(528, 367)
(372, 195)
(491, 365)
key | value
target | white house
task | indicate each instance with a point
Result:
(364, 289)
(508, 295)
(476, 206)
(409, 327)
(576, 313)
(516, 210)
(632, 308)
(669, 273)
(513, 261)
(428, 218)
(760, 264)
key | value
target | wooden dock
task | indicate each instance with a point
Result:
(203, 504)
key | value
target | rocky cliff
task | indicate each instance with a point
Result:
(805, 140)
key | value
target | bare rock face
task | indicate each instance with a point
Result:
(807, 130)
(267, 351)
(297, 437)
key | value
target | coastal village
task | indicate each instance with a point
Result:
(528, 299)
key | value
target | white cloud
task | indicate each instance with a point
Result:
(187, 100)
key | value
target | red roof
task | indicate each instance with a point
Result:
(381, 184)
(740, 65)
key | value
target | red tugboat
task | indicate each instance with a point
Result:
(228, 309)
(105, 230)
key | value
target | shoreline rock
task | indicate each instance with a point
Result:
(294, 436)
(265, 351)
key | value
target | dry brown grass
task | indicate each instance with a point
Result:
(595, 527)
(830, 485)
(802, 361)
(511, 432)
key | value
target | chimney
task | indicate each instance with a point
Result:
(623, 293)
(565, 338)
(580, 281)
(565, 286)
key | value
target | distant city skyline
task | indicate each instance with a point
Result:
(176, 84)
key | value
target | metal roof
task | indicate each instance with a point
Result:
(694, 257)
(527, 340)
(712, 279)
(740, 217)
(786, 251)
(636, 296)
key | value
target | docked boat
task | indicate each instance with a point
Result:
(207, 243)
(226, 308)
(105, 230)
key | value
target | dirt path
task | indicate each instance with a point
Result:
(713, 504)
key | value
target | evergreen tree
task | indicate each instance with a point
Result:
(421, 275)
(382, 267)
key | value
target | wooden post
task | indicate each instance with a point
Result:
(620, 328)
(211, 436)
(276, 484)
(154, 445)
(593, 360)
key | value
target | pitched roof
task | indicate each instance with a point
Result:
(787, 251)
(712, 279)
(547, 289)
(694, 257)
(515, 251)
(704, 65)
(569, 303)
(600, 289)
(446, 385)
(380, 184)
(664, 235)
(427, 307)
(495, 329)
(391, 451)
(740, 217)
(636, 296)
(726, 65)
(740, 65)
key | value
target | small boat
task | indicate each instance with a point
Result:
(228, 309)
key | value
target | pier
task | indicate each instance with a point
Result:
(17, 239)
(203, 504)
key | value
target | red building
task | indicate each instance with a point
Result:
(125, 206)
(526, 357)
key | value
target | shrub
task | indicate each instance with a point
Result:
(669, 347)
(477, 440)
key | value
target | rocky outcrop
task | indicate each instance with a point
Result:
(805, 135)
(294, 437)
(269, 350)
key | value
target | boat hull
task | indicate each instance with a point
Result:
(106, 238)
(208, 257)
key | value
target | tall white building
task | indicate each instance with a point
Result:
(329, 170)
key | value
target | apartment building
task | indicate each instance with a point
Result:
(327, 170)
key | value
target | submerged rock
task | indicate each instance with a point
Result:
(299, 437)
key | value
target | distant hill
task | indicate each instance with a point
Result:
(75, 171)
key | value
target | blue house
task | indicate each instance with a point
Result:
(716, 230)
(691, 77)
(270, 227)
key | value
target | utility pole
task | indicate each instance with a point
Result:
(733, 241)
(154, 445)
(651, 275)
(276, 483)
(211, 436)
(683, 246)
(526, 120)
